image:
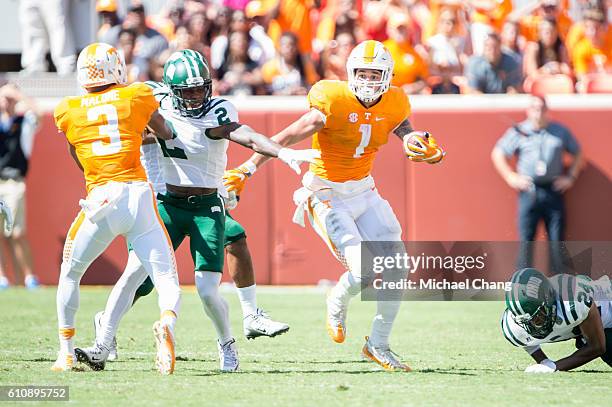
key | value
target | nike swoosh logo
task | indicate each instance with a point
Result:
(379, 118)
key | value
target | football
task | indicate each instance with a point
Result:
(412, 138)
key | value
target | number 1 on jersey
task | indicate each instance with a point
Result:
(366, 134)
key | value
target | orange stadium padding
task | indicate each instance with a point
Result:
(461, 199)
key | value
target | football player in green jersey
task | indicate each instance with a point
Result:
(541, 310)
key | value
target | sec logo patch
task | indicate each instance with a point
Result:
(353, 117)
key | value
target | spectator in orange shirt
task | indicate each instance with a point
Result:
(533, 13)
(436, 6)
(344, 17)
(288, 73)
(576, 32)
(546, 56)
(592, 54)
(292, 16)
(335, 56)
(410, 69)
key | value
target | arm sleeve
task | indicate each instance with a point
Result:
(570, 143)
(508, 144)
(144, 101)
(61, 116)
(220, 112)
(317, 99)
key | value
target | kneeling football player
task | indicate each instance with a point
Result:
(541, 310)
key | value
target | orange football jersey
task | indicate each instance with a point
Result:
(105, 129)
(353, 133)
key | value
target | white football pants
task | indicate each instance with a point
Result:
(343, 222)
(132, 212)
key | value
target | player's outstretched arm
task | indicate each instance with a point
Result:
(246, 136)
(419, 146)
(158, 124)
(593, 332)
(304, 127)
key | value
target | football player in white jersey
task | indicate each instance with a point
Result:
(541, 310)
(193, 164)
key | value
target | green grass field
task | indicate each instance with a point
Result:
(456, 351)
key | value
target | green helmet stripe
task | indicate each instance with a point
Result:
(188, 68)
(193, 66)
(191, 53)
(518, 309)
(508, 332)
(560, 281)
(570, 297)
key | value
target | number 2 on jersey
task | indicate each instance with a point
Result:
(366, 134)
(110, 130)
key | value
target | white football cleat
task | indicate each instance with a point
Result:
(64, 363)
(164, 341)
(260, 324)
(336, 320)
(384, 356)
(112, 350)
(228, 356)
(95, 357)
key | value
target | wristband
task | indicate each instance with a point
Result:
(249, 168)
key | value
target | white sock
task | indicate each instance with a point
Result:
(121, 299)
(347, 287)
(248, 299)
(383, 322)
(66, 340)
(168, 318)
(207, 283)
(67, 302)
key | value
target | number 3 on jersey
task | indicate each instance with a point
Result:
(366, 134)
(110, 130)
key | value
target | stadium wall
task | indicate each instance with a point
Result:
(462, 199)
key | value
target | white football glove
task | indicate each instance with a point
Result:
(293, 158)
(5, 213)
(545, 366)
(231, 202)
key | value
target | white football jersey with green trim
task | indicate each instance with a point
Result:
(575, 294)
(191, 158)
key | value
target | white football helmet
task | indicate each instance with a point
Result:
(369, 54)
(100, 64)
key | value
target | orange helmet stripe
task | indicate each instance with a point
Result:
(368, 54)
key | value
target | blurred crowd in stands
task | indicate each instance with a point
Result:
(282, 47)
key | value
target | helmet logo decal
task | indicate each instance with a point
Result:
(533, 286)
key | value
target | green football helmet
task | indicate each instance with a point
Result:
(187, 76)
(532, 302)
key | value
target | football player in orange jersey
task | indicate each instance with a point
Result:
(104, 131)
(350, 121)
